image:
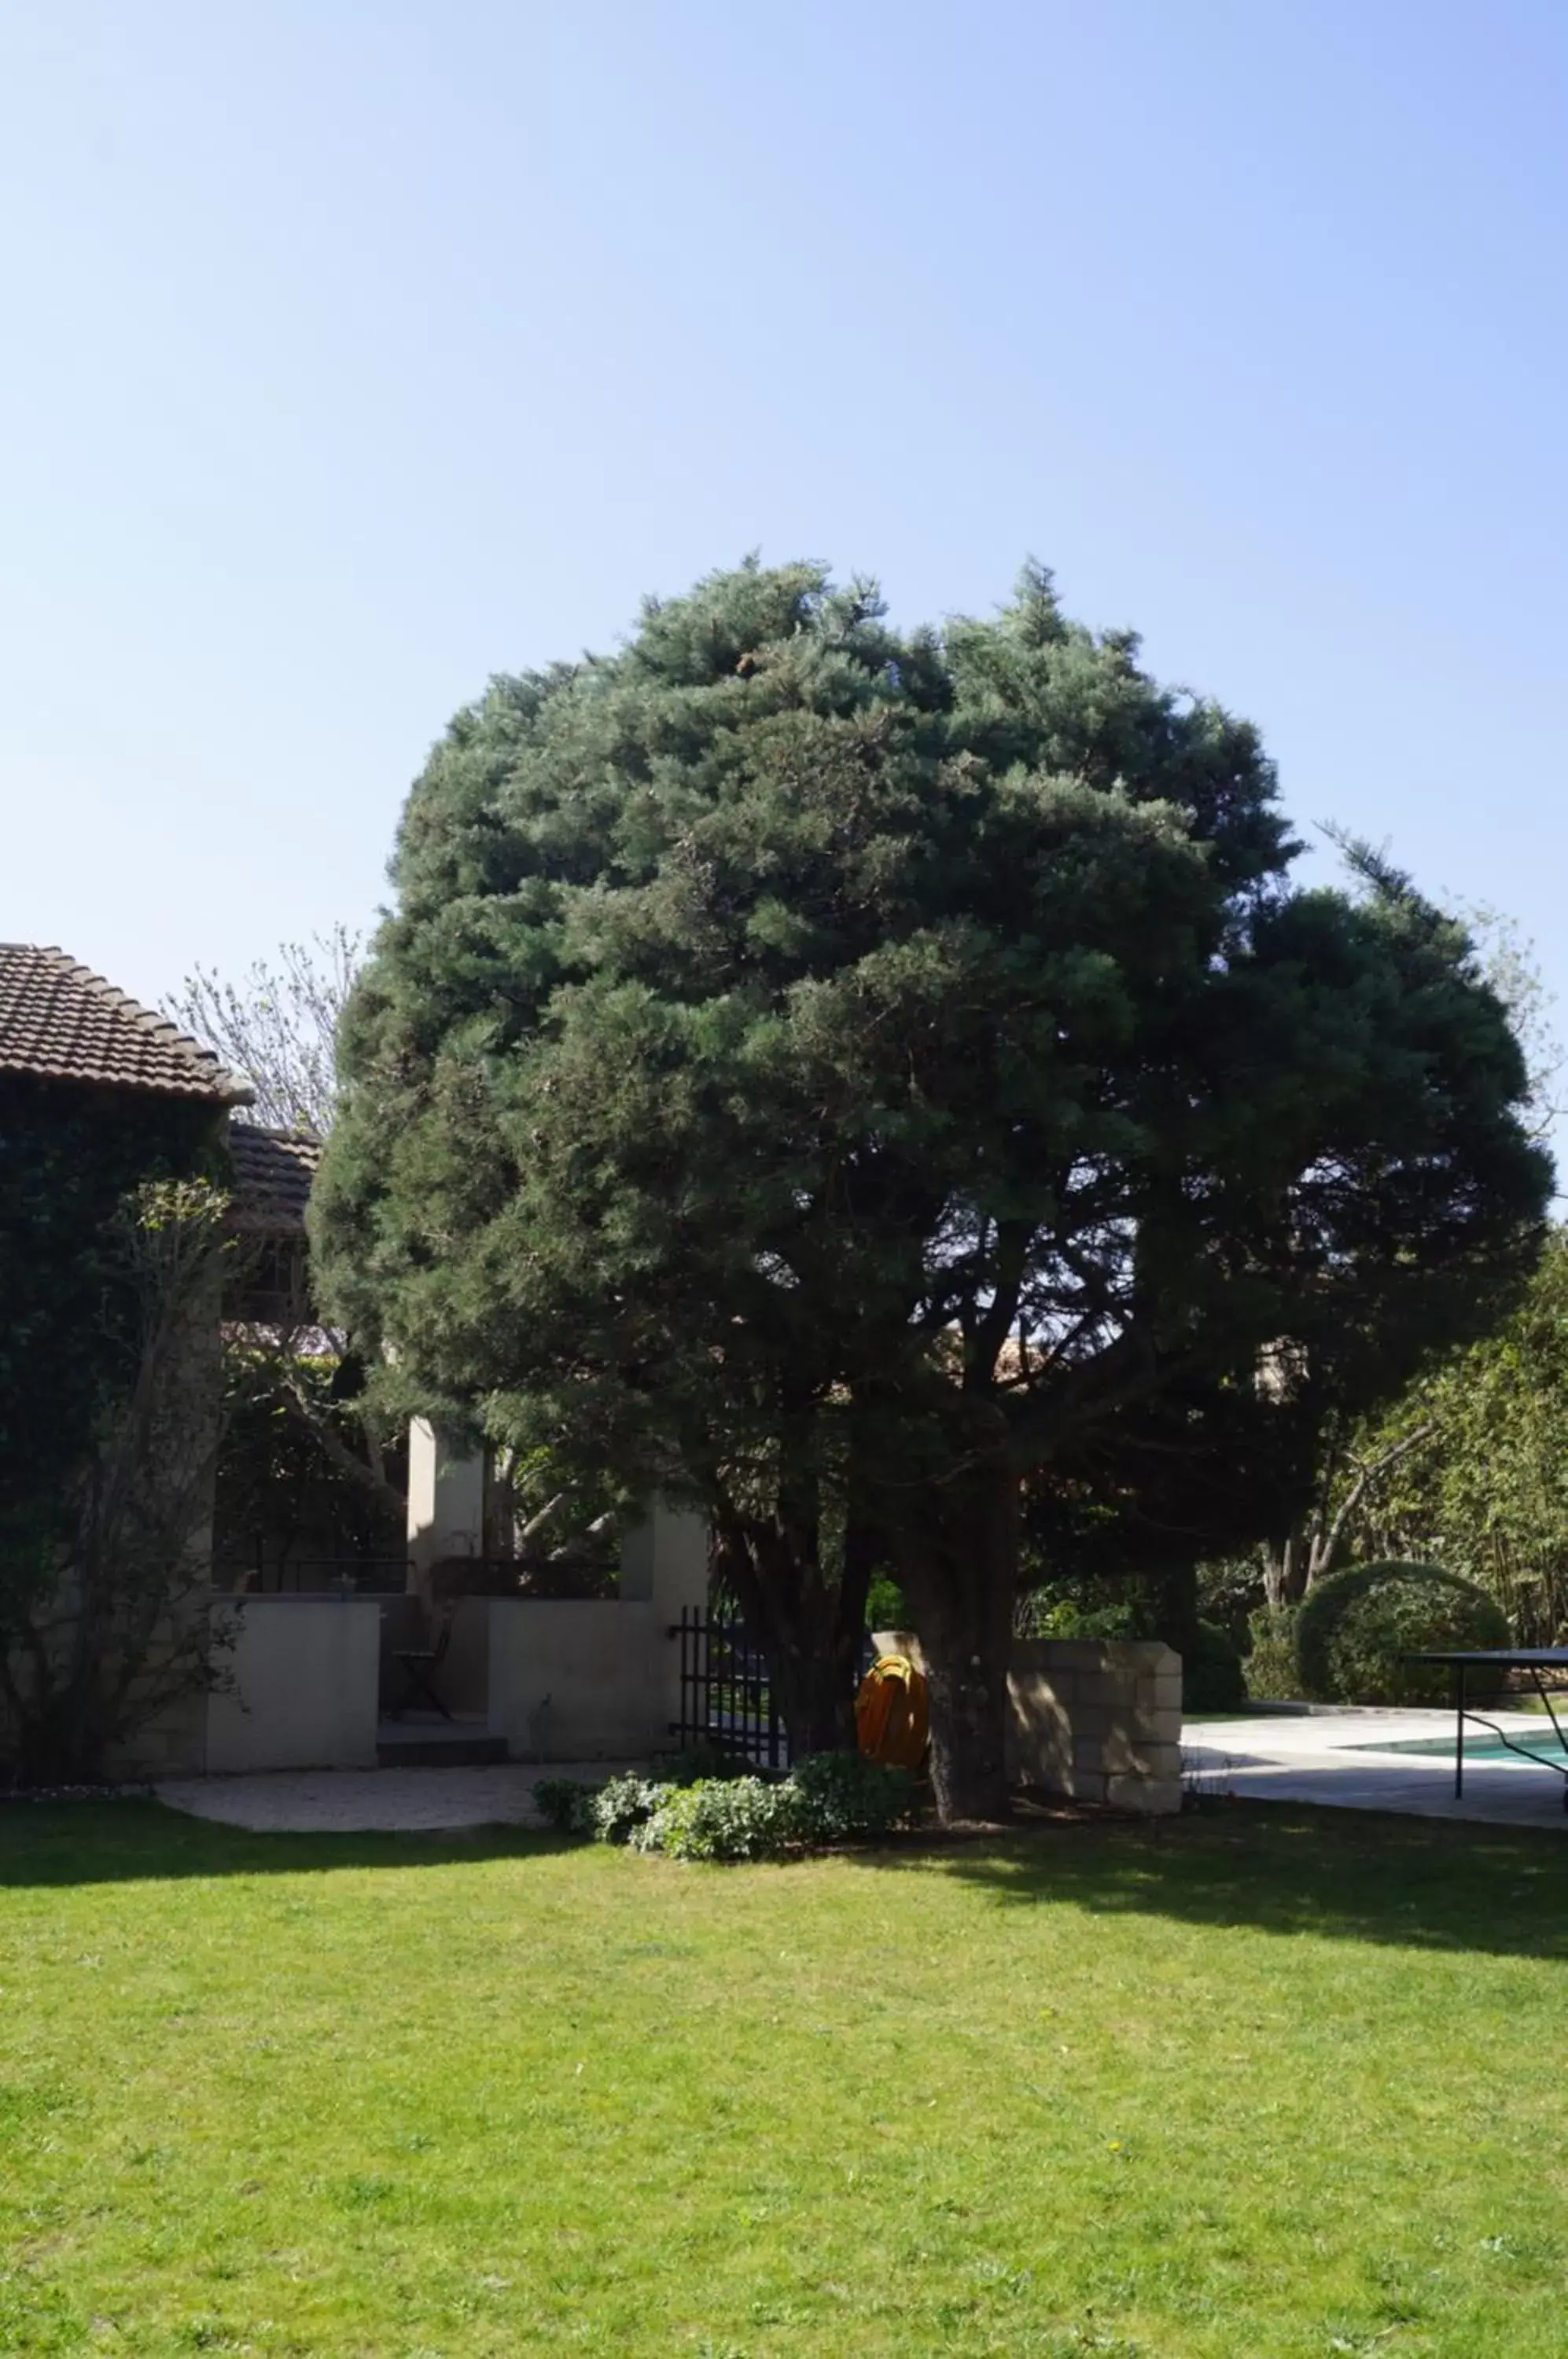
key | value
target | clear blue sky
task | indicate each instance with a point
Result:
(355, 350)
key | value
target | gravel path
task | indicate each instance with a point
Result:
(352, 1801)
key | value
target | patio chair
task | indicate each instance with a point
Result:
(419, 1664)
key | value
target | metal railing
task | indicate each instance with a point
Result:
(727, 1701)
(289, 1576)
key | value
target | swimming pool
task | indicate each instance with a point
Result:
(1479, 1748)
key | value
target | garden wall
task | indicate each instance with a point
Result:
(1097, 1719)
(573, 1679)
(306, 1672)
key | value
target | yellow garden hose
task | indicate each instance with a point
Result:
(892, 1720)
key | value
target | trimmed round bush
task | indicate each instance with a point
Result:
(1356, 1629)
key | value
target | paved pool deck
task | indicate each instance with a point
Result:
(1333, 1758)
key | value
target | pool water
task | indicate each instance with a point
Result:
(1478, 1747)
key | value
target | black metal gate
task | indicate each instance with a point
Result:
(726, 1694)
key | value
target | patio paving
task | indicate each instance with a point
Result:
(1330, 1757)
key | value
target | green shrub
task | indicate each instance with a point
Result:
(839, 1795)
(828, 1797)
(1045, 1615)
(1212, 1678)
(720, 1819)
(623, 1805)
(1356, 1629)
(1271, 1670)
(566, 1805)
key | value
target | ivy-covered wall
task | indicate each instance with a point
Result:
(68, 1153)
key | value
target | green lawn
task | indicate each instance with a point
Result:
(1256, 2085)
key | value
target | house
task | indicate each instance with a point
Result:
(65, 1029)
(76, 1052)
(272, 1171)
(98, 1093)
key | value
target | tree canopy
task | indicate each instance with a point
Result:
(829, 1072)
(1470, 1465)
(278, 1027)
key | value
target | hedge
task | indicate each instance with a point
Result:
(1356, 1630)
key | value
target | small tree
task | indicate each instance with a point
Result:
(104, 1615)
(298, 1460)
(277, 1026)
(1475, 1463)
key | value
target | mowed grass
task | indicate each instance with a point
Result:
(1255, 2084)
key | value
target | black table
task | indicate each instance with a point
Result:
(1538, 1661)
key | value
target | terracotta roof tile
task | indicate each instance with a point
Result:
(272, 1171)
(62, 1022)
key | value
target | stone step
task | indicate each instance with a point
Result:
(424, 1749)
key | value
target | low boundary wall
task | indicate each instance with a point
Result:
(581, 1679)
(1098, 1721)
(305, 1676)
(578, 1678)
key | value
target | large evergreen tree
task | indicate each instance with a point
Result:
(829, 1072)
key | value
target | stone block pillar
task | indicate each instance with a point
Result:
(664, 1561)
(664, 1558)
(1098, 1720)
(446, 1502)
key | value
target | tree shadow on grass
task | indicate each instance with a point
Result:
(116, 1841)
(1280, 1868)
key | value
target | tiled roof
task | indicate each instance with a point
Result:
(272, 1171)
(62, 1022)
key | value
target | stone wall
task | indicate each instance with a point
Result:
(579, 1678)
(1098, 1721)
(172, 1745)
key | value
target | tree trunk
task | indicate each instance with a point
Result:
(1175, 1590)
(959, 1572)
(815, 1690)
(1285, 1568)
